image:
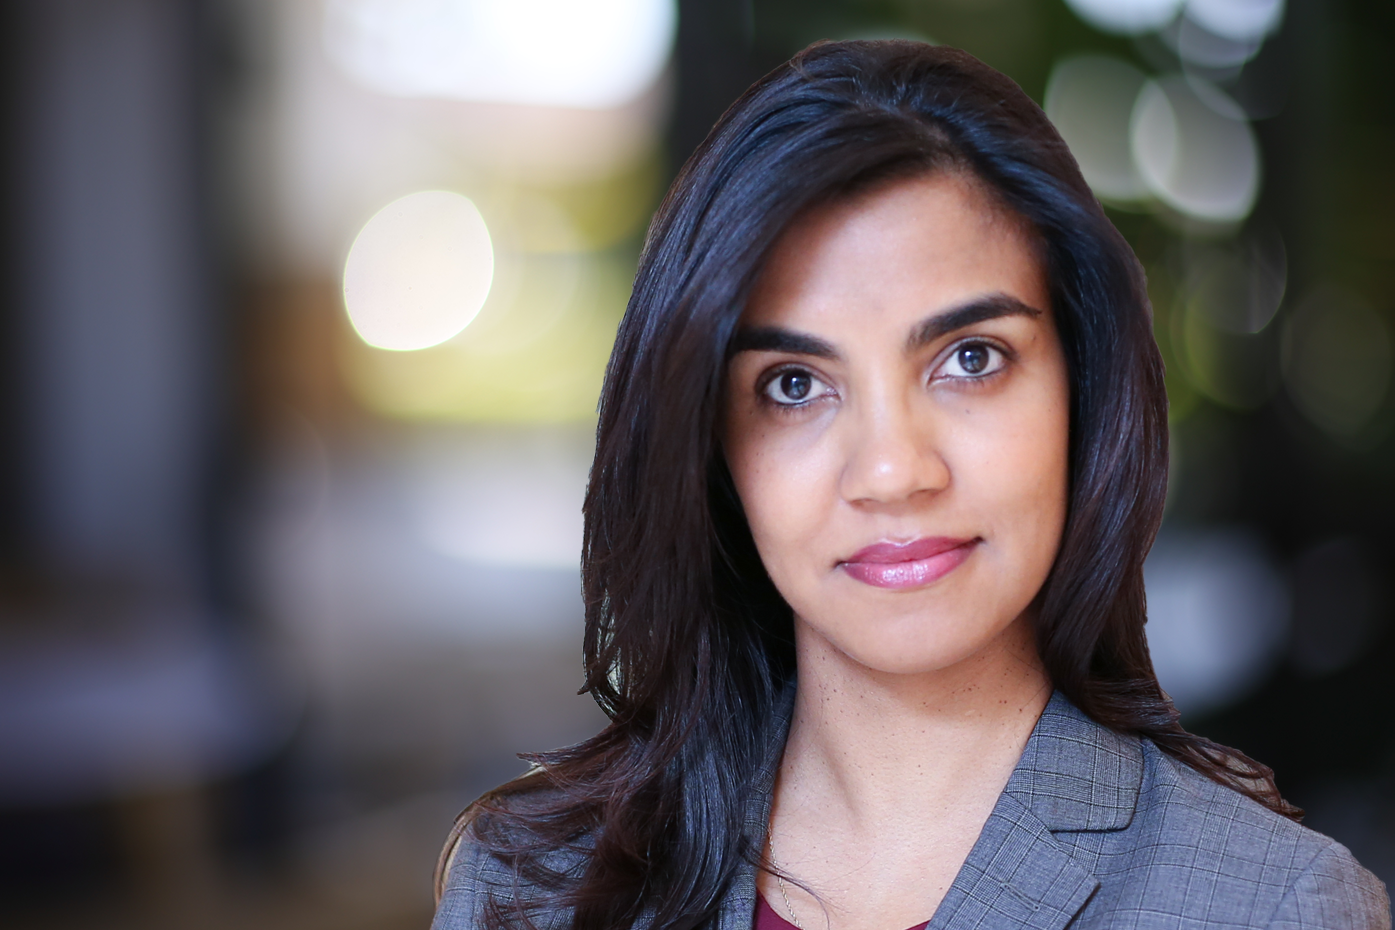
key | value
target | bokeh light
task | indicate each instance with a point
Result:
(1126, 17)
(1196, 45)
(1218, 610)
(536, 357)
(1238, 285)
(1240, 20)
(1337, 355)
(1090, 99)
(1236, 370)
(419, 271)
(600, 53)
(1194, 149)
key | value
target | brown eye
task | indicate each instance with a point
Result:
(795, 386)
(973, 360)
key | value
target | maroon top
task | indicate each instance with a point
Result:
(767, 918)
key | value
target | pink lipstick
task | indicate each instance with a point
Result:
(908, 565)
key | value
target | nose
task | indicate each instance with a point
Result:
(893, 452)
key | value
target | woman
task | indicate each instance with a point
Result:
(882, 447)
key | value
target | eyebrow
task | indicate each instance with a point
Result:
(989, 307)
(779, 339)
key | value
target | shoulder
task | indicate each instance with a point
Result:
(1240, 861)
(465, 886)
(477, 879)
(1334, 891)
(1170, 847)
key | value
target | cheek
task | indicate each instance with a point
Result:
(1018, 464)
(781, 478)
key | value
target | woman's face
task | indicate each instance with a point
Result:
(896, 423)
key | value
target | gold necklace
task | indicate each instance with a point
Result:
(770, 844)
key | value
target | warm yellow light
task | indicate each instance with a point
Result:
(419, 271)
(537, 353)
(559, 53)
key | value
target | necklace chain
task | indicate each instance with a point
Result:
(780, 882)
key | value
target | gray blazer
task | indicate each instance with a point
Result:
(1093, 830)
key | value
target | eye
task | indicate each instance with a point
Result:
(795, 386)
(972, 360)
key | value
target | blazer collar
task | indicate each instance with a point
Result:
(1074, 775)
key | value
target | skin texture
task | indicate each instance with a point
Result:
(859, 412)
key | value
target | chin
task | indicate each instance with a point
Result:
(904, 663)
(912, 653)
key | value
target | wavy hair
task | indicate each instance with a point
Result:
(687, 642)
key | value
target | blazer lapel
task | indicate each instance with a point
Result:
(1074, 776)
(1016, 876)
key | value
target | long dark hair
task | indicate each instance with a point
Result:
(688, 643)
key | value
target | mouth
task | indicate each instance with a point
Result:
(908, 565)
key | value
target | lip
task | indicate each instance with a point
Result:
(908, 565)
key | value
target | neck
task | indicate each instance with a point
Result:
(866, 744)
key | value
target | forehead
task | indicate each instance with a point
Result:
(908, 246)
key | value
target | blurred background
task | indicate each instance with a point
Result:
(305, 305)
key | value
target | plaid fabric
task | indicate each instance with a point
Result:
(1093, 830)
